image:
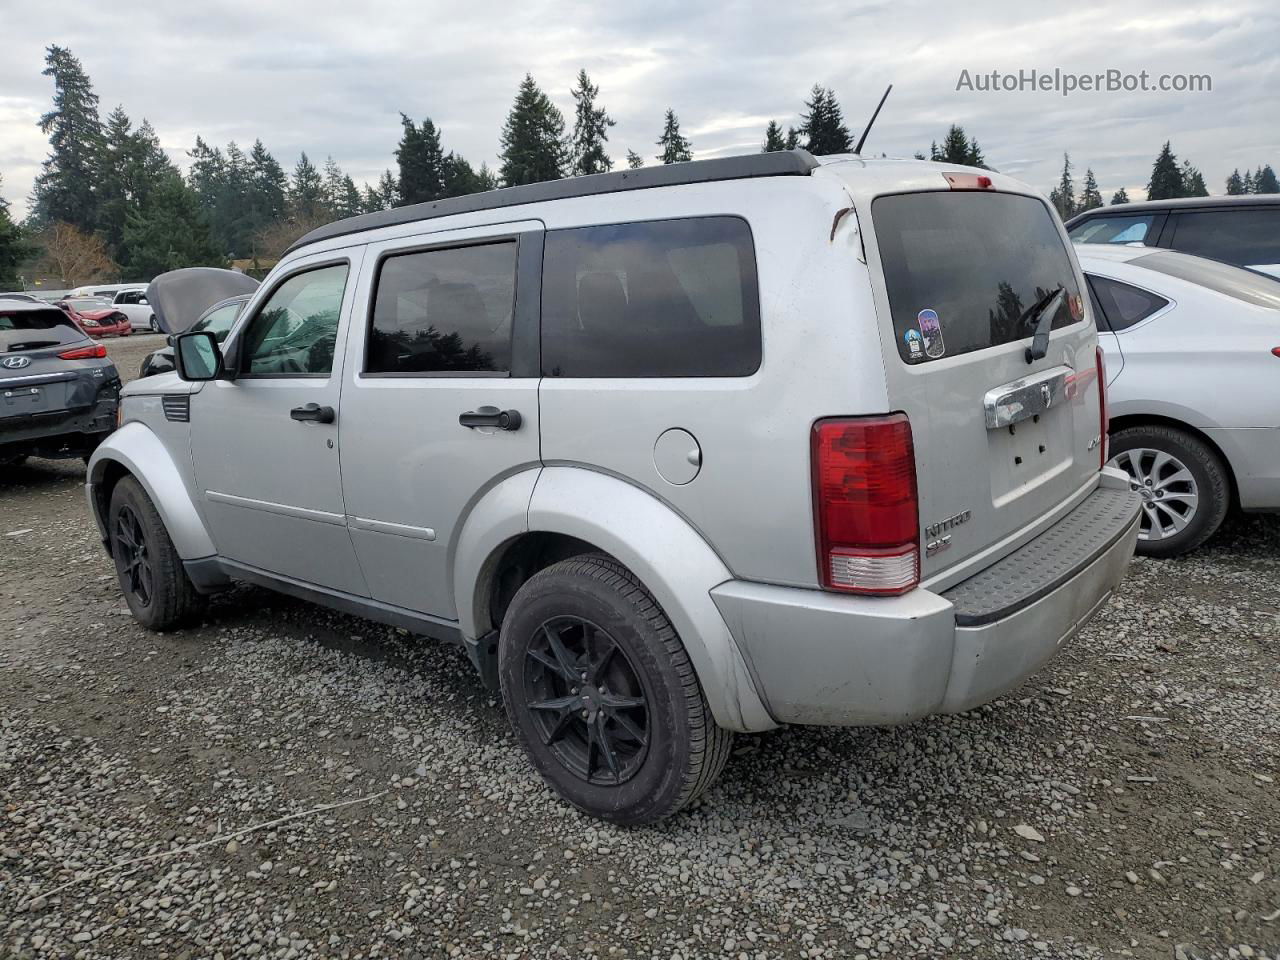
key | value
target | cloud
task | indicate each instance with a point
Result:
(331, 78)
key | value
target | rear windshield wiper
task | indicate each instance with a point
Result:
(1040, 315)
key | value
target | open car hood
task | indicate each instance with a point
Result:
(179, 297)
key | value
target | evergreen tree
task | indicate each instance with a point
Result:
(793, 138)
(1192, 181)
(1120, 196)
(486, 179)
(130, 165)
(421, 161)
(533, 144)
(460, 178)
(350, 202)
(334, 187)
(773, 139)
(1166, 178)
(1265, 181)
(1063, 195)
(267, 187)
(675, 148)
(388, 190)
(371, 201)
(232, 231)
(168, 232)
(590, 129)
(1248, 181)
(14, 248)
(957, 148)
(634, 160)
(1090, 195)
(306, 192)
(1235, 183)
(823, 124)
(64, 190)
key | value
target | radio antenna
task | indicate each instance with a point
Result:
(863, 139)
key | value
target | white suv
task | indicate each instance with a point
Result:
(671, 452)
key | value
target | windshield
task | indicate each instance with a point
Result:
(219, 321)
(963, 269)
(1247, 285)
(33, 329)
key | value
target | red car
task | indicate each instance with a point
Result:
(96, 318)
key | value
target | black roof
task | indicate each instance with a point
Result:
(1179, 203)
(782, 163)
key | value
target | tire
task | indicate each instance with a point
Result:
(665, 753)
(154, 583)
(1185, 487)
(155, 327)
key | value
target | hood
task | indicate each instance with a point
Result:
(179, 297)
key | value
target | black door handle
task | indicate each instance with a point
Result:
(313, 412)
(491, 417)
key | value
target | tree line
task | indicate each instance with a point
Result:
(108, 201)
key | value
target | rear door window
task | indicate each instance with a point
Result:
(1132, 229)
(1244, 236)
(667, 298)
(1123, 304)
(963, 269)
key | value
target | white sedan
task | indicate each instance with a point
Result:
(1193, 369)
(133, 304)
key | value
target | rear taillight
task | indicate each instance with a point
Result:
(1103, 419)
(95, 352)
(865, 506)
(1275, 351)
(968, 181)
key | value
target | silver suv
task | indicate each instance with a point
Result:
(672, 453)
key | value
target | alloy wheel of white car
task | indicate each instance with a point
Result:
(1169, 494)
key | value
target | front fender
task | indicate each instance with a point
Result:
(139, 451)
(672, 560)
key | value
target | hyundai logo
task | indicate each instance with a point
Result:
(14, 363)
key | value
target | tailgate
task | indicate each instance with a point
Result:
(1001, 441)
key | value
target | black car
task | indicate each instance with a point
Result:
(218, 320)
(1243, 230)
(58, 390)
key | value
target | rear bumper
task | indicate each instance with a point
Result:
(66, 432)
(825, 658)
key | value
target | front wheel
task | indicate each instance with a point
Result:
(155, 584)
(602, 696)
(1183, 483)
(155, 327)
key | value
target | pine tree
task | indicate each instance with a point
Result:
(421, 161)
(388, 190)
(1166, 178)
(232, 230)
(1192, 181)
(1235, 183)
(1265, 181)
(306, 192)
(14, 248)
(1063, 195)
(533, 143)
(349, 202)
(1248, 181)
(793, 138)
(823, 124)
(64, 190)
(675, 148)
(634, 160)
(334, 187)
(590, 129)
(1090, 195)
(168, 232)
(267, 187)
(129, 166)
(773, 138)
(1120, 196)
(957, 148)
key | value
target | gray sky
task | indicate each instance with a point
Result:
(331, 77)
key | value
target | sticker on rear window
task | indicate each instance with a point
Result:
(915, 346)
(931, 331)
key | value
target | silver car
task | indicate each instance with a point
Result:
(671, 452)
(1193, 356)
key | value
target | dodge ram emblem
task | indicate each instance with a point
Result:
(14, 363)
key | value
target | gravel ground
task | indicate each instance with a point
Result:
(288, 782)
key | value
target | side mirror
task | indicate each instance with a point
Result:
(197, 356)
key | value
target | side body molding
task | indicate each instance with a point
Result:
(673, 561)
(143, 454)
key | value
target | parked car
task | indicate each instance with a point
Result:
(25, 297)
(1241, 230)
(1177, 330)
(106, 291)
(58, 390)
(95, 317)
(218, 320)
(134, 305)
(671, 453)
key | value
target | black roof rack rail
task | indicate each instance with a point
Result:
(781, 163)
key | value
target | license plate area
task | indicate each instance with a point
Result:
(24, 401)
(1027, 454)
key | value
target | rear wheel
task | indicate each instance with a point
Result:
(602, 696)
(155, 585)
(155, 327)
(1183, 483)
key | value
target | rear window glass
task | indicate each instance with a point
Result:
(1123, 304)
(667, 298)
(1247, 285)
(1133, 229)
(964, 269)
(33, 329)
(1248, 237)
